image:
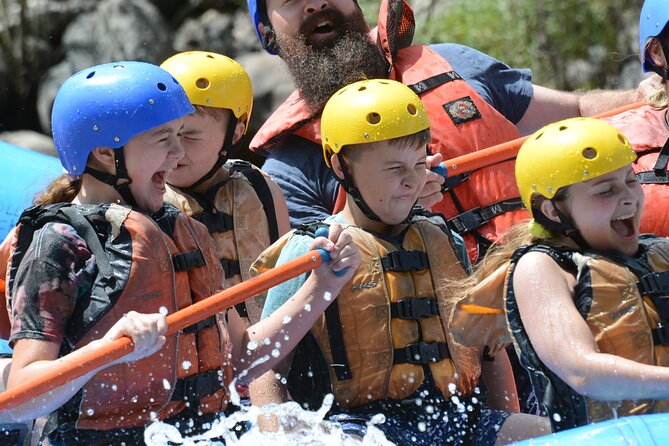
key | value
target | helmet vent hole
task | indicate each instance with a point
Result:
(210, 56)
(589, 153)
(373, 118)
(161, 86)
(175, 81)
(412, 109)
(539, 136)
(563, 127)
(202, 83)
(90, 75)
(363, 88)
(622, 139)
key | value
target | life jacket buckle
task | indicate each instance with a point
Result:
(421, 353)
(415, 308)
(654, 283)
(405, 261)
(661, 334)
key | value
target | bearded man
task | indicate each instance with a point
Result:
(473, 102)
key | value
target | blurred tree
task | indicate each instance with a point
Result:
(569, 44)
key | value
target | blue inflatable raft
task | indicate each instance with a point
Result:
(642, 430)
(23, 173)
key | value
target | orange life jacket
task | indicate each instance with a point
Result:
(163, 263)
(622, 301)
(646, 129)
(480, 205)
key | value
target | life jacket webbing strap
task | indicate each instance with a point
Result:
(404, 261)
(661, 334)
(216, 222)
(477, 217)
(434, 82)
(194, 387)
(659, 173)
(231, 267)
(188, 260)
(414, 308)
(340, 360)
(421, 353)
(257, 180)
(206, 323)
(654, 283)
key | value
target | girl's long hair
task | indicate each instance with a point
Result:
(60, 190)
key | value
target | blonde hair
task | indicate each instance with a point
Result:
(658, 98)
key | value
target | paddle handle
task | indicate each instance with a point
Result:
(69, 370)
(502, 152)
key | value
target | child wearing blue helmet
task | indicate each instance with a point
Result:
(102, 256)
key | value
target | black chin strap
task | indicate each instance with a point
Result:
(113, 180)
(223, 154)
(353, 191)
(565, 226)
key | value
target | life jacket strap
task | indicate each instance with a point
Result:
(659, 173)
(216, 222)
(434, 82)
(661, 334)
(475, 218)
(421, 353)
(231, 267)
(188, 260)
(193, 387)
(404, 261)
(414, 308)
(654, 284)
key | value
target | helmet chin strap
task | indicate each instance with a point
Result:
(113, 180)
(353, 191)
(565, 227)
(223, 154)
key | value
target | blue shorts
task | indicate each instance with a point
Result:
(423, 422)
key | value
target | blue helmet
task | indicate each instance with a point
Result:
(258, 12)
(107, 105)
(653, 18)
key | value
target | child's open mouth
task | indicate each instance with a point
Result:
(159, 179)
(624, 225)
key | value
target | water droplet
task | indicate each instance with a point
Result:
(557, 417)
(163, 310)
(134, 399)
(286, 320)
(166, 384)
(452, 387)
(95, 127)
(327, 296)
(252, 345)
(422, 427)
(307, 308)
(90, 412)
(186, 365)
(151, 101)
(267, 341)
(114, 387)
(276, 352)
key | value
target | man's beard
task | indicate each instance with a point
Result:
(319, 70)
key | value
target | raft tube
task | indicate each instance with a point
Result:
(23, 173)
(640, 430)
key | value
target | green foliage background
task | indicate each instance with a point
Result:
(547, 36)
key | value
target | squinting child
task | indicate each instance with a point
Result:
(385, 346)
(584, 294)
(102, 256)
(243, 209)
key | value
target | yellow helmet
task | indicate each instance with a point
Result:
(569, 152)
(213, 80)
(369, 111)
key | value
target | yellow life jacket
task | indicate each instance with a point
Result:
(147, 265)
(622, 299)
(390, 319)
(646, 129)
(238, 211)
